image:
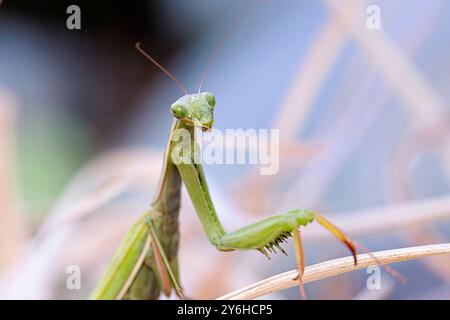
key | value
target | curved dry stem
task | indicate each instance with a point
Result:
(332, 268)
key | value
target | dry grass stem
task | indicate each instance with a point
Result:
(332, 268)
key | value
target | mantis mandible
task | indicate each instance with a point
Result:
(146, 261)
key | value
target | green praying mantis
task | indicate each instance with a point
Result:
(146, 261)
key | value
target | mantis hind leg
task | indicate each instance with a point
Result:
(168, 276)
(156, 274)
(145, 286)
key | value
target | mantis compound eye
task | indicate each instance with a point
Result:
(179, 110)
(209, 97)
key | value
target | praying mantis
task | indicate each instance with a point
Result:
(146, 263)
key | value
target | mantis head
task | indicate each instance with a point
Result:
(196, 110)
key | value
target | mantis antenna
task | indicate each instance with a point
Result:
(222, 42)
(145, 54)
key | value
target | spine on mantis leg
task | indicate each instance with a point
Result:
(267, 234)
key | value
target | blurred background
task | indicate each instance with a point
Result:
(363, 125)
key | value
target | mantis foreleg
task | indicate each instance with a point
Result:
(265, 236)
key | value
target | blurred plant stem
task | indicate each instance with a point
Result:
(12, 231)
